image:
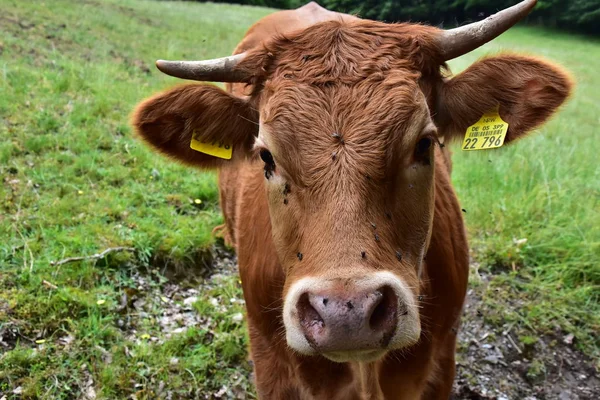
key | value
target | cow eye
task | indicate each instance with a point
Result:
(267, 157)
(423, 145)
(423, 150)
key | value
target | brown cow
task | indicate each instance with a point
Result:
(351, 244)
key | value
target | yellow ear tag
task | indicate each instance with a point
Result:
(214, 148)
(487, 133)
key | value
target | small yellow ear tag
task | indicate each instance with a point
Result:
(214, 148)
(487, 133)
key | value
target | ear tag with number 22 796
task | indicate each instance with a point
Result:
(215, 149)
(487, 133)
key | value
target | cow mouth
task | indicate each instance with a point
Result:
(356, 355)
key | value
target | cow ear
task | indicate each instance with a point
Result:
(219, 120)
(528, 91)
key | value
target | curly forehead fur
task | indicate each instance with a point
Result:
(358, 80)
(338, 52)
(333, 133)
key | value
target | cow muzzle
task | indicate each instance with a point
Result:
(351, 319)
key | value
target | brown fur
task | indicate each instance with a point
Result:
(381, 87)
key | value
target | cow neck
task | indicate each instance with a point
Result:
(368, 374)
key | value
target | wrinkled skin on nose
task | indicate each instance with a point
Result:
(343, 321)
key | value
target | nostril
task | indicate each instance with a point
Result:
(309, 317)
(385, 314)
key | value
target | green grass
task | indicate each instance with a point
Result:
(75, 182)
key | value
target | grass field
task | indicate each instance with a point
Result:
(74, 183)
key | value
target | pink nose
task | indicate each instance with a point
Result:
(345, 321)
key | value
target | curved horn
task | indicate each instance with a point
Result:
(217, 70)
(458, 41)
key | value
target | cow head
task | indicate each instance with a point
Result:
(346, 119)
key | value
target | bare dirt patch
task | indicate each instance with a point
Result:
(171, 307)
(493, 364)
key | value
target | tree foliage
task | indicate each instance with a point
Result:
(576, 15)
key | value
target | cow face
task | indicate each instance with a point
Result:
(349, 178)
(347, 120)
